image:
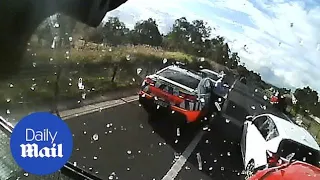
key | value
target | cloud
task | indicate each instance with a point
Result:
(281, 36)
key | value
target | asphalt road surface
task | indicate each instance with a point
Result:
(123, 142)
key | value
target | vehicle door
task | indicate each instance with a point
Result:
(255, 143)
(205, 88)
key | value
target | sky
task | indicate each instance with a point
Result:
(282, 37)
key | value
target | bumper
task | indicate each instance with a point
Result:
(190, 116)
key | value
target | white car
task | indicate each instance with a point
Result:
(268, 139)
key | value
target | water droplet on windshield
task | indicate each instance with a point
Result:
(11, 85)
(129, 152)
(265, 97)
(139, 70)
(199, 161)
(26, 174)
(253, 107)
(95, 137)
(141, 126)
(8, 111)
(128, 57)
(205, 128)
(95, 157)
(165, 60)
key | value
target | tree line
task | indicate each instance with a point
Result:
(192, 38)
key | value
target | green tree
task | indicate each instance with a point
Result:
(234, 60)
(199, 32)
(146, 32)
(180, 37)
(115, 32)
(94, 35)
(307, 100)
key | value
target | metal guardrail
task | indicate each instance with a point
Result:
(68, 171)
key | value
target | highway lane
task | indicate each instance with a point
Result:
(153, 145)
(124, 141)
(128, 144)
(219, 151)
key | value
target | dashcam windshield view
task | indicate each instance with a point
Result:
(159, 90)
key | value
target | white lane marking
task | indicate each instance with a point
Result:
(177, 166)
(67, 114)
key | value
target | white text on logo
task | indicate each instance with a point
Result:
(32, 150)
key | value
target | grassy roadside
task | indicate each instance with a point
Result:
(97, 66)
(102, 70)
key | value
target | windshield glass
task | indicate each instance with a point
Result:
(86, 62)
(180, 78)
(302, 152)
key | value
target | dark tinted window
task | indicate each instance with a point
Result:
(302, 152)
(180, 77)
(258, 122)
(262, 125)
(271, 129)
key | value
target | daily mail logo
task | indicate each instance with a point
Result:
(33, 150)
(41, 143)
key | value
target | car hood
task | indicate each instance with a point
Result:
(296, 171)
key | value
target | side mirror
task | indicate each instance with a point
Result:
(249, 118)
